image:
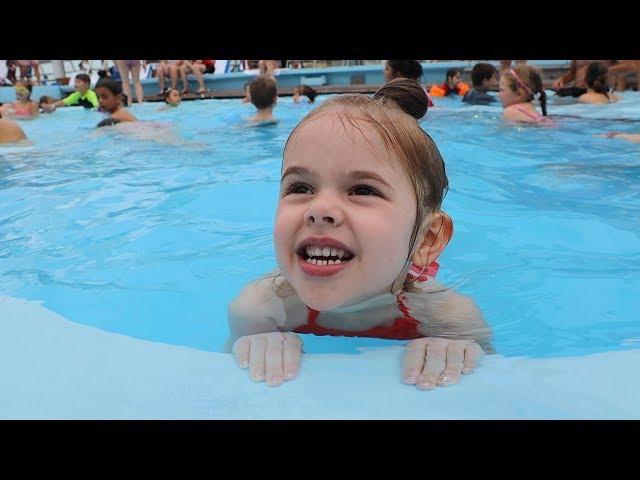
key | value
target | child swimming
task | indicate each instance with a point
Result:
(172, 99)
(264, 95)
(597, 80)
(23, 107)
(111, 101)
(358, 230)
(83, 95)
(518, 88)
(484, 77)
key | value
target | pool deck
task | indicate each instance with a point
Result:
(52, 368)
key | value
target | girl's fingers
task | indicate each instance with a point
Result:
(455, 358)
(241, 351)
(472, 354)
(257, 369)
(414, 361)
(292, 355)
(434, 365)
(273, 358)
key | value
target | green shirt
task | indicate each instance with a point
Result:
(88, 100)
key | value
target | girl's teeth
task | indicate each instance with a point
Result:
(334, 253)
(340, 253)
(326, 251)
(330, 262)
(338, 261)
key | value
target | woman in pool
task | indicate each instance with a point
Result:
(518, 88)
(111, 101)
(23, 107)
(597, 80)
(358, 230)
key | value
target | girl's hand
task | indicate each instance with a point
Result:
(439, 361)
(274, 356)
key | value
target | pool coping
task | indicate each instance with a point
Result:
(53, 368)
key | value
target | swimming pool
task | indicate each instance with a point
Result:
(153, 238)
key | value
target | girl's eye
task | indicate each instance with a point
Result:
(297, 188)
(364, 190)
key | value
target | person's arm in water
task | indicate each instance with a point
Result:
(255, 318)
(567, 77)
(10, 131)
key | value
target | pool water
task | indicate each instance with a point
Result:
(151, 235)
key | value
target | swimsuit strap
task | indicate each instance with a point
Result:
(537, 118)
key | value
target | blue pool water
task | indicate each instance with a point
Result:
(152, 237)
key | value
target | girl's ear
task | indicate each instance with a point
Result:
(434, 240)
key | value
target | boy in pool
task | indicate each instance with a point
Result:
(264, 95)
(111, 101)
(82, 96)
(358, 230)
(484, 77)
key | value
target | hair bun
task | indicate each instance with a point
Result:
(407, 94)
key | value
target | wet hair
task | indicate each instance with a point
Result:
(107, 122)
(532, 79)
(407, 94)
(263, 91)
(166, 94)
(482, 71)
(110, 84)
(392, 113)
(452, 72)
(597, 78)
(406, 68)
(26, 85)
(83, 77)
(309, 92)
(46, 99)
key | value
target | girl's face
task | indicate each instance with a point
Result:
(507, 96)
(174, 98)
(108, 101)
(345, 215)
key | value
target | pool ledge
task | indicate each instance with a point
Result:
(52, 368)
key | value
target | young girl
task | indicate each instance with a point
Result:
(23, 107)
(172, 99)
(358, 230)
(518, 88)
(597, 80)
(111, 101)
(305, 90)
